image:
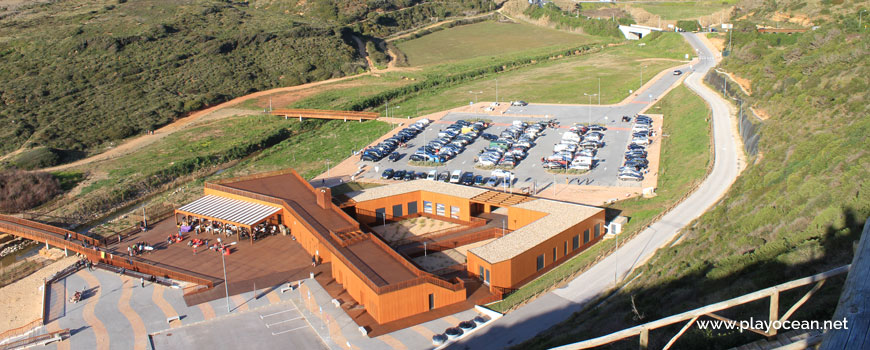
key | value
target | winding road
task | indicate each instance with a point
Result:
(556, 306)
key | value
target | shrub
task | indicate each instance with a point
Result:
(21, 190)
(39, 157)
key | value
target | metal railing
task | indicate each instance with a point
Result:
(15, 332)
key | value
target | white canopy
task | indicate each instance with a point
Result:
(231, 210)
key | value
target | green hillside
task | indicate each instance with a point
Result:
(795, 211)
(77, 75)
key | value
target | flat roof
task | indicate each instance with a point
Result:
(292, 188)
(560, 217)
(231, 210)
(386, 269)
(413, 186)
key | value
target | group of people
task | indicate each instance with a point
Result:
(139, 248)
(176, 238)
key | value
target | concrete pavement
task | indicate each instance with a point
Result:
(554, 307)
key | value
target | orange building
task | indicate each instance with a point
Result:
(526, 236)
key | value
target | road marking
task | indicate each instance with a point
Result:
(275, 313)
(289, 330)
(285, 321)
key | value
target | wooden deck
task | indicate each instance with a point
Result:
(265, 263)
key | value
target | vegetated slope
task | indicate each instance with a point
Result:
(75, 75)
(795, 211)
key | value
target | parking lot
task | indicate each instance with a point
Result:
(529, 172)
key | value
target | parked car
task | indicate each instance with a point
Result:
(493, 181)
(410, 176)
(444, 176)
(489, 137)
(479, 180)
(433, 175)
(395, 156)
(399, 175)
(630, 177)
(678, 72)
(387, 174)
(467, 179)
(519, 103)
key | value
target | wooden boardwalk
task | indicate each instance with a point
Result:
(325, 114)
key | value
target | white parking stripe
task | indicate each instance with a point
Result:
(289, 330)
(285, 321)
(276, 313)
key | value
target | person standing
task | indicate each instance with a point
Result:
(142, 282)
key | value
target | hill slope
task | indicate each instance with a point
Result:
(795, 211)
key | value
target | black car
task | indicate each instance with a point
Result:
(421, 175)
(410, 176)
(445, 176)
(479, 180)
(417, 158)
(489, 137)
(467, 179)
(633, 146)
(395, 156)
(679, 72)
(399, 175)
(387, 174)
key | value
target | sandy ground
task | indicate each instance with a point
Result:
(411, 228)
(447, 258)
(26, 296)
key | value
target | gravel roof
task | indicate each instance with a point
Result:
(416, 185)
(560, 217)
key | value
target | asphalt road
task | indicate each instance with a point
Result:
(554, 307)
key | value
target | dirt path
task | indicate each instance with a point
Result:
(405, 35)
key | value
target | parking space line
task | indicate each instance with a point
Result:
(289, 330)
(275, 313)
(280, 322)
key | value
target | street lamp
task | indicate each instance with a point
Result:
(226, 287)
(475, 93)
(859, 19)
(599, 91)
(590, 105)
(641, 77)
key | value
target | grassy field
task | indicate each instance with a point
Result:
(683, 10)
(308, 153)
(685, 157)
(565, 81)
(484, 39)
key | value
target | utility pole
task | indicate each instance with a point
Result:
(226, 287)
(599, 91)
(496, 90)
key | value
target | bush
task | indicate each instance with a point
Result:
(563, 19)
(21, 190)
(39, 157)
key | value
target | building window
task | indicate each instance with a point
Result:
(586, 236)
(487, 277)
(397, 210)
(380, 214)
(565, 249)
(575, 242)
(427, 207)
(454, 212)
(597, 230)
(554, 253)
(439, 209)
(480, 270)
(431, 301)
(540, 262)
(412, 208)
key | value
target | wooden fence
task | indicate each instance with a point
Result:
(642, 331)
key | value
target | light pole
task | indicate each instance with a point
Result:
(859, 19)
(590, 105)
(226, 287)
(616, 263)
(496, 89)
(641, 77)
(599, 91)
(475, 93)
(327, 168)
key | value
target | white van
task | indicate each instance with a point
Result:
(455, 176)
(433, 174)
